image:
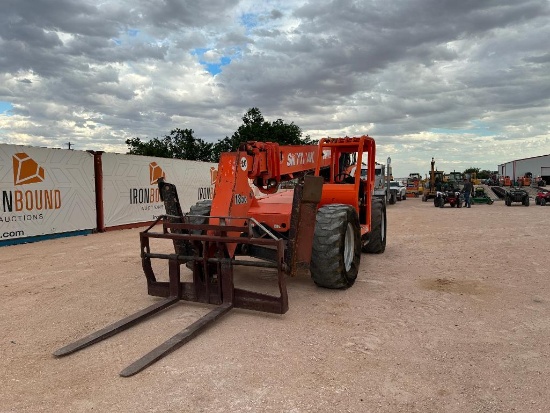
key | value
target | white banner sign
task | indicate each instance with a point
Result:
(45, 191)
(130, 191)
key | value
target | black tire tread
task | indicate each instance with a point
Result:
(327, 261)
(377, 237)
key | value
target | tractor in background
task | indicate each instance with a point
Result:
(455, 179)
(434, 184)
(415, 185)
(505, 181)
(525, 180)
(481, 197)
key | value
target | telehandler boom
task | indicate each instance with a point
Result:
(322, 226)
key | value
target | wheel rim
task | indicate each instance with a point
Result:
(349, 247)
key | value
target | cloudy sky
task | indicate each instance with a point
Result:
(467, 82)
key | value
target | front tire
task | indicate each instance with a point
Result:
(377, 235)
(202, 210)
(336, 252)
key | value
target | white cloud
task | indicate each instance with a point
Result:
(465, 82)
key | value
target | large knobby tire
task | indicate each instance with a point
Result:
(336, 249)
(377, 236)
(200, 208)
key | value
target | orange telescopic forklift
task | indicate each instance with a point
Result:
(322, 225)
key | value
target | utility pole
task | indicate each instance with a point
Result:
(69, 144)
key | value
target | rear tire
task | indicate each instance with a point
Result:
(543, 202)
(336, 252)
(377, 236)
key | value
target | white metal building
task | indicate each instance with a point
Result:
(537, 165)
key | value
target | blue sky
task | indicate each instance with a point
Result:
(476, 127)
(212, 67)
(5, 107)
(465, 82)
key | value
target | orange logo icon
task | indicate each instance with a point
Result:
(26, 170)
(213, 175)
(155, 172)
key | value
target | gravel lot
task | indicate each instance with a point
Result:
(453, 317)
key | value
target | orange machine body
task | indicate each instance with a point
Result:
(268, 164)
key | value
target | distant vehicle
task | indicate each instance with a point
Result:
(516, 195)
(453, 198)
(381, 189)
(415, 185)
(481, 197)
(542, 198)
(401, 190)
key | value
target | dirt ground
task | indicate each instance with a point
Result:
(453, 317)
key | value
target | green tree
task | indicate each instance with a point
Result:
(480, 174)
(184, 145)
(471, 170)
(485, 174)
(256, 128)
(153, 147)
(180, 144)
